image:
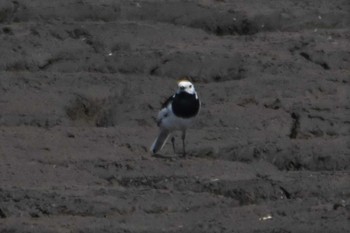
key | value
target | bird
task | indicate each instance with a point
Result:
(177, 114)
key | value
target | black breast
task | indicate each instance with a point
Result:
(185, 105)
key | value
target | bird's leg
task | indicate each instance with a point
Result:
(173, 142)
(183, 143)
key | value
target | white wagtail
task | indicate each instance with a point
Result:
(177, 113)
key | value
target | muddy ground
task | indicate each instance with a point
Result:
(81, 84)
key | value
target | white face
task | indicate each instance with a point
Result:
(186, 86)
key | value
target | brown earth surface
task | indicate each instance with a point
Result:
(82, 82)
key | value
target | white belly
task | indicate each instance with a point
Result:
(171, 122)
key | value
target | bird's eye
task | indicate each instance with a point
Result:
(190, 86)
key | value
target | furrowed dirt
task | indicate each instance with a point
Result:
(82, 81)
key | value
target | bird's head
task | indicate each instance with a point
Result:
(185, 86)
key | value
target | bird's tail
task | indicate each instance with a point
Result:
(160, 141)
